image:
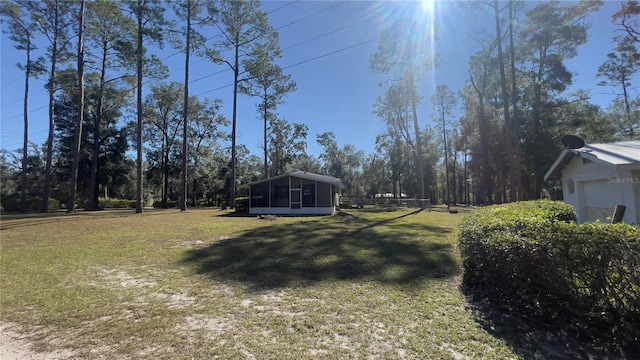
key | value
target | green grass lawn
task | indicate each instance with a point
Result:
(207, 283)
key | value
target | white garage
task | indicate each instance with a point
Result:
(597, 177)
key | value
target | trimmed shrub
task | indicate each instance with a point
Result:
(532, 257)
(116, 203)
(11, 203)
(242, 204)
(158, 204)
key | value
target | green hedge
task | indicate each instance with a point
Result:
(532, 257)
(116, 203)
(242, 204)
(170, 204)
(11, 203)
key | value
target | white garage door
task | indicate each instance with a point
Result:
(600, 199)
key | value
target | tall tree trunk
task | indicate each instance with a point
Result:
(25, 139)
(466, 182)
(416, 126)
(453, 178)
(266, 149)
(505, 101)
(515, 128)
(139, 182)
(46, 191)
(78, 128)
(394, 169)
(446, 161)
(185, 123)
(627, 106)
(236, 74)
(165, 184)
(484, 189)
(93, 186)
(537, 95)
(487, 182)
(194, 200)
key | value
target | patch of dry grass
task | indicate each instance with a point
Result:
(207, 284)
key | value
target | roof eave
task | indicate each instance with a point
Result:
(337, 182)
(563, 159)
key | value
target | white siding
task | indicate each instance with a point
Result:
(289, 211)
(598, 189)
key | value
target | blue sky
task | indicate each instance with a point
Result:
(336, 92)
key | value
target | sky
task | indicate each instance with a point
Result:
(326, 49)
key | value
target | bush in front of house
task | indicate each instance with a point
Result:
(242, 204)
(532, 258)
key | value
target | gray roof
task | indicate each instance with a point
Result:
(615, 154)
(305, 175)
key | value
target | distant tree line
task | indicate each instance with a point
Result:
(97, 67)
(515, 107)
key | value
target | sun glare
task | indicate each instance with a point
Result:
(427, 6)
(428, 13)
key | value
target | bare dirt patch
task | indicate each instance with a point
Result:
(120, 278)
(15, 345)
(218, 325)
(174, 301)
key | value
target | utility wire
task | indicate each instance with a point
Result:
(221, 33)
(286, 67)
(312, 15)
(29, 112)
(161, 59)
(303, 62)
(11, 82)
(281, 27)
(330, 53)
(332, 32)
(20, 100)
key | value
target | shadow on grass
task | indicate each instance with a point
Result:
(534, 340)
(312, 250)
(244, 214)
(233, 213)
(19, 220)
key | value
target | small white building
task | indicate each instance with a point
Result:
(597, 177)
(296, 193)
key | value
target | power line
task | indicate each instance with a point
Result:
(4, 146)
(286, 67)
(331, 53)
(311, 15)
(162, 59)
(226, 86)
(282, 7)
(29, 112)
(11, 82)
(332, 32)
(220, 33)
(281, 27)
(20, 100)
(216, 89)
(303, 62)
(210, 75)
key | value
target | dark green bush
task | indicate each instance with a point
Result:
(116, 203)
(170, 204)
(11, 203)
(531, 257)
(242, 204)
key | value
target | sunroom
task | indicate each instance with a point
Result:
(296, 193)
